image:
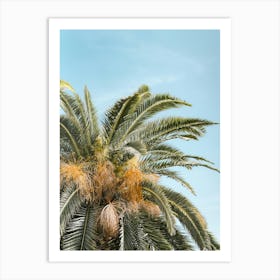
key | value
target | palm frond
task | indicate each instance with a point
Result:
(69, 134)
(115, 116)
(214, 244)
(131, 232)
(190, 217)
(179, 241)
(91, 116)
(167, 151)
(158, 131)
(158, 162)
(65, 86)
(146, 110)
(73, 107)
(155, 237)
(66, 149)
(80, 233)
(70, 202)
(157, 196)
(176, 177)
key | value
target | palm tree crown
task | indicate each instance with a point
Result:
(110, 195)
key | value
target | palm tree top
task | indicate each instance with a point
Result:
(110, 172)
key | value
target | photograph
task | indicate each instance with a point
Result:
(139, 139)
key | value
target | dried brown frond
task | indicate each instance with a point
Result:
(130, 188)
(70, 172)
(74, 173)
(150, 208)
(104, 181)
(109, 221)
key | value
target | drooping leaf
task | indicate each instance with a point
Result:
(70, 202)
(157, 196)
(80, 233)
(190, 217)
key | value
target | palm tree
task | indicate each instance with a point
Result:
(110, 194)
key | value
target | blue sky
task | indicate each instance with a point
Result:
(185, 63)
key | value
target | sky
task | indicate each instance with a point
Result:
(185, 63)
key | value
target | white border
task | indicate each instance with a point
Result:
(224, 25)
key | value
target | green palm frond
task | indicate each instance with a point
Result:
(80, 233)
(91, 116)
(155, 237)
(131, 232)
(169, 151)
(176, 177)
(146, 110)
(178, 241)
(66, 148)
(158, 131)
(75, 110)
(214, 244)
(190, 217)
(158, 162)
(115, 116)
(76, 119)
(70, 202)
(70, 135)
(157, 196)
(79, 124)
(165, 149)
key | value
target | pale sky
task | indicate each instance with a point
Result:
(184, 63)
